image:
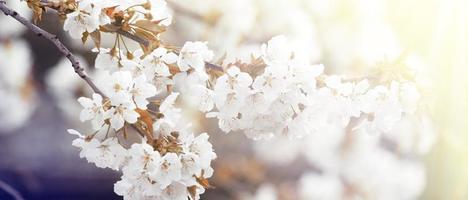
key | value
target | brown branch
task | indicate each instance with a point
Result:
(54, 39)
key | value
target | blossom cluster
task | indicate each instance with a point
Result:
(285, 96)
(170, 175)
(178, 166)
(175, 165)
(172, 166)
(136, 131)
(139, 130)
(291, 97)
(343, 46)
(89, 15)
(169, 162)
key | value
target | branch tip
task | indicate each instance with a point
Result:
(54, 39)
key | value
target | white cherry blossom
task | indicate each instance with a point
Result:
(104, 60)
(155, 67)
(175, 191)
(86, 18)
(106, 154)
(276, 51)
(160, 12)
(141, 91)
(194, 55)
(121, 112)
(143, 158)
(169, 170)
(203, 149)
(93, 109)
(117, 86)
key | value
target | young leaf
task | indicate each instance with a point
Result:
(150, 26)
(96, 36)
(147, 122)
(84, 37)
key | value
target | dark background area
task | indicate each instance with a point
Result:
(38, 160)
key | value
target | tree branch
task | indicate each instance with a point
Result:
(54, 39)
(146, 43)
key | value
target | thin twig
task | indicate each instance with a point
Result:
(54, 39)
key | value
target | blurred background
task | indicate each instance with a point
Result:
(425, 156)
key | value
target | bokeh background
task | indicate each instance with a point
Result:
(427, 155)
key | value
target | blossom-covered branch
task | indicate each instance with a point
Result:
(145, 40)
(139, 128)
(54, 39)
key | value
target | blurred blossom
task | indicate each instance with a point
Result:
(320, 186)
(9, 26)
(66, 87)
(231, 26)
(16, 86)
(264, 192)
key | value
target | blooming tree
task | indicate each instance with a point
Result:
(135, 111)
